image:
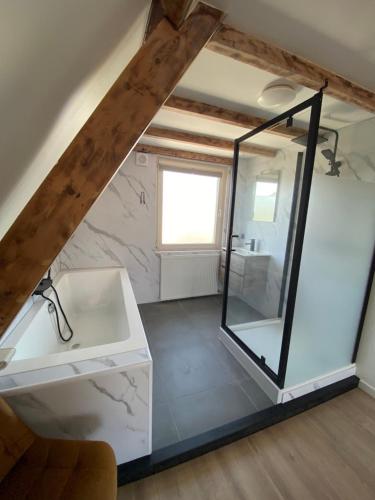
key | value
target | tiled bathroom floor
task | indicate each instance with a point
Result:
(198, 385)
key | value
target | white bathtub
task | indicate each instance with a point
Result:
(102, 311)
(97, 386)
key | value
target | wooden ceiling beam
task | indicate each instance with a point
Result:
(209, 141)
(95, 154)
(176, 10)
(222, 115)
(182, 154)
(155, 15)
(266, 56)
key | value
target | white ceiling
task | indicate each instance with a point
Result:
(336, 34)
(223, 81)
(59, 58)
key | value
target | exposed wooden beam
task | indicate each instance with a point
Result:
(179, 153)
(228, 116)
(155, 15)
(176, 10)
(206, 140)
(264, 55)
(95, 154)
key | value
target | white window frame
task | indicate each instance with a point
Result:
(273, 178)
(197, 168)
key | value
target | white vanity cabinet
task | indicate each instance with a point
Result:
(248, 272)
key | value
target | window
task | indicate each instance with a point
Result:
(265, 199)
(190, 206)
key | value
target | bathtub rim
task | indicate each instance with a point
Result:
(136, 340)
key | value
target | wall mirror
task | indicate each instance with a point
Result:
(265, 197)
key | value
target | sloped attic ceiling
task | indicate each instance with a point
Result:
(58, 59)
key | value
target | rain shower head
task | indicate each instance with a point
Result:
(302, 139)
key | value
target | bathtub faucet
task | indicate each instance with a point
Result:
(44, 285)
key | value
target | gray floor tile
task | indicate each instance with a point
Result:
(191, 369)
(165, 333)
(204, 411)
(159, 394)
(206, 322)
(201, 304)
(228, 361)
(255, 393)
(196, 380)
(240, 312)
(160, 309)
(164, 431)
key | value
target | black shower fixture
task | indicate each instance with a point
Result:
(44, 285)
(331, 155)
(327, 153)
(335, 165)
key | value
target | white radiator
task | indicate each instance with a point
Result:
(188, 274)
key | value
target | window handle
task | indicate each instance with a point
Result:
(235, 235)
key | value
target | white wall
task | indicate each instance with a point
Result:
(366, 353)
(58, 59)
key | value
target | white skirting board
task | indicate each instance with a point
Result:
(316, 383)
(188, 274)
(276, 394)
(368, 388)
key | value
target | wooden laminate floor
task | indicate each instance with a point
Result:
(325, 453)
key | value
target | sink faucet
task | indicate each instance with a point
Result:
(251, 244)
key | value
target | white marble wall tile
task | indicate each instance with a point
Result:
(114, 408)
(120, 230)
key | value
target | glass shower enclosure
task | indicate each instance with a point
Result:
(294, 289)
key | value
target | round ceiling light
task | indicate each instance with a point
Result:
(276, 94)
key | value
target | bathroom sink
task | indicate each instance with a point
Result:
(244, 252)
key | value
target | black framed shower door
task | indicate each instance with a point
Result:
(294, 244)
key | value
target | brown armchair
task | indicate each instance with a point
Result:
(47, 469)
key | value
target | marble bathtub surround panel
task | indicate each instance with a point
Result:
(9, 384)
(112, 407)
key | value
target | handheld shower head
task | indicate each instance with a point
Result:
(328, 154)
(335, 165)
